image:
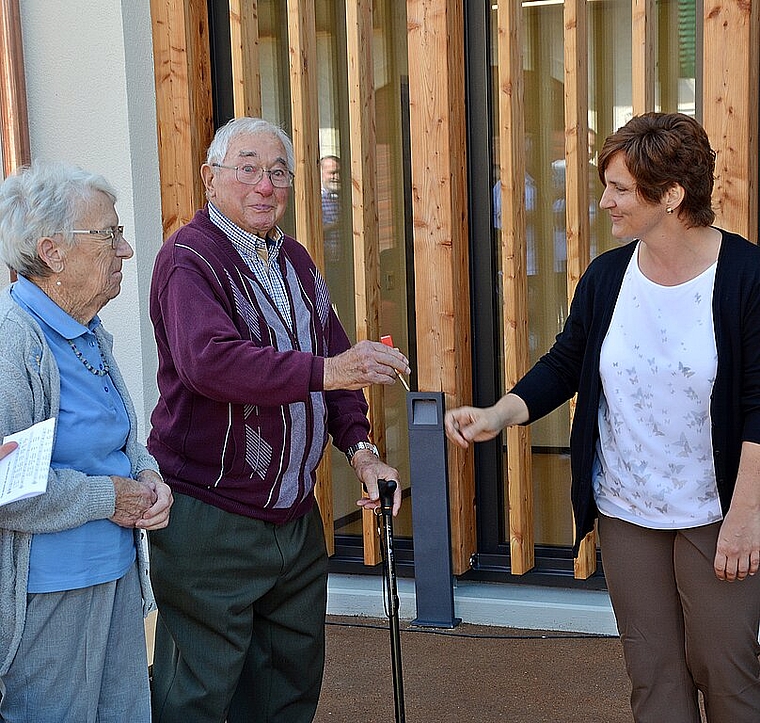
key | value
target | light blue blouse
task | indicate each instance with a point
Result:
(91, 432)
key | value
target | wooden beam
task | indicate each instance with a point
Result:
(435, 42)
(643, 67)
(244, 49)
(305, 112)
(514, 268)
(366, 236)
(14, 119)
(302, 49)
(578, 227)
(730, 109)
(182, 66)
(578, 230)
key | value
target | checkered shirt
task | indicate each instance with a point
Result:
(260, 256)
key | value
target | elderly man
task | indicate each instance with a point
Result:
(255, 371)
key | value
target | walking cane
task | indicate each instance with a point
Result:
(387, 489)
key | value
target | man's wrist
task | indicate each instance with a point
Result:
(359, 446)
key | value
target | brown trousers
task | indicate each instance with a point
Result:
(682, 629)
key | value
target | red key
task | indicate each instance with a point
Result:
(387, 339)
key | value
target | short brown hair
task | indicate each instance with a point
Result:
(664, 149)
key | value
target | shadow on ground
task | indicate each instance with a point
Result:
(472, 673)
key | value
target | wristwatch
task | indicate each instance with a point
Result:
(354, 448)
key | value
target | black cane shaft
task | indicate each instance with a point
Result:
(387, 489)
(398, 678)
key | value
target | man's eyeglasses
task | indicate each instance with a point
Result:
(114, 234)
(251, 175)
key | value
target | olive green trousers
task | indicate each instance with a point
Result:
(240, 630)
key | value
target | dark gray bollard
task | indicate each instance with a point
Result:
(431, 525)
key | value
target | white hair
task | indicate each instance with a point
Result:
(41, 200)
(217, 151)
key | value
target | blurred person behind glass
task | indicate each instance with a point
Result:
(336, 230)
(74, 582)
(662, 347)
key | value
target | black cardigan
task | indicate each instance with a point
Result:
(572, 366)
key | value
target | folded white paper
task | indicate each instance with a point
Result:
(24, 472)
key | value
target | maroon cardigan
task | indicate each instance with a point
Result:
(242, 420)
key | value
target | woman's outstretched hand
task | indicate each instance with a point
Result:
(479, 424)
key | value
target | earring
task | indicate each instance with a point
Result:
(668, 210)
(58, 283)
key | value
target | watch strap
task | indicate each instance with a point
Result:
(354, 448)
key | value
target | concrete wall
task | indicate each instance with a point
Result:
(91, 100)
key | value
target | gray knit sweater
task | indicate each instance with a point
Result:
(30, 393)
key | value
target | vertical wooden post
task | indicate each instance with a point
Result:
(182, 63)
(514, 266)
(643, 18)
(730, 109)
(361, 112)
(305, 110)
(244, 50)
(439, 209)
(578, 232)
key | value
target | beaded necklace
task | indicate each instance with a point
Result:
(97, 372)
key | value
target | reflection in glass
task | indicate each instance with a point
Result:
(610, 99)
(335, 163)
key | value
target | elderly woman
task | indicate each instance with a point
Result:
(74, 579)
(662, 346)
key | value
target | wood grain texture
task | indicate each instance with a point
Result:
(514, 268)
(182, 67)
(439, 211)
(365, 225)
(577, 225)
(302, 50)
(643, 60)
(244, 51)
(730, 109)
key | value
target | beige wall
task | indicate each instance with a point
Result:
(91, 100)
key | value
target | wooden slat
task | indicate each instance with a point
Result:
(14, 120)
(366, 237)
(578, 231)
(435, 33)
(514, 268)
(730, 109)
(302, 48)
(182, 67)
(244, 50)
(305, 112)
(643, 60)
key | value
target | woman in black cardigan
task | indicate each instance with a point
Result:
(662, 347)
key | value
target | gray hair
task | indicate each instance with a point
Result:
(41, 200)
(217, 151)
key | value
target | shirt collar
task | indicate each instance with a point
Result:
(240, 237)
(31, 297)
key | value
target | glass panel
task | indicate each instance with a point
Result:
(334, 159)
(396, 287)
(610, 94)
(334, 153)
(543, 69)
(677, 71)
